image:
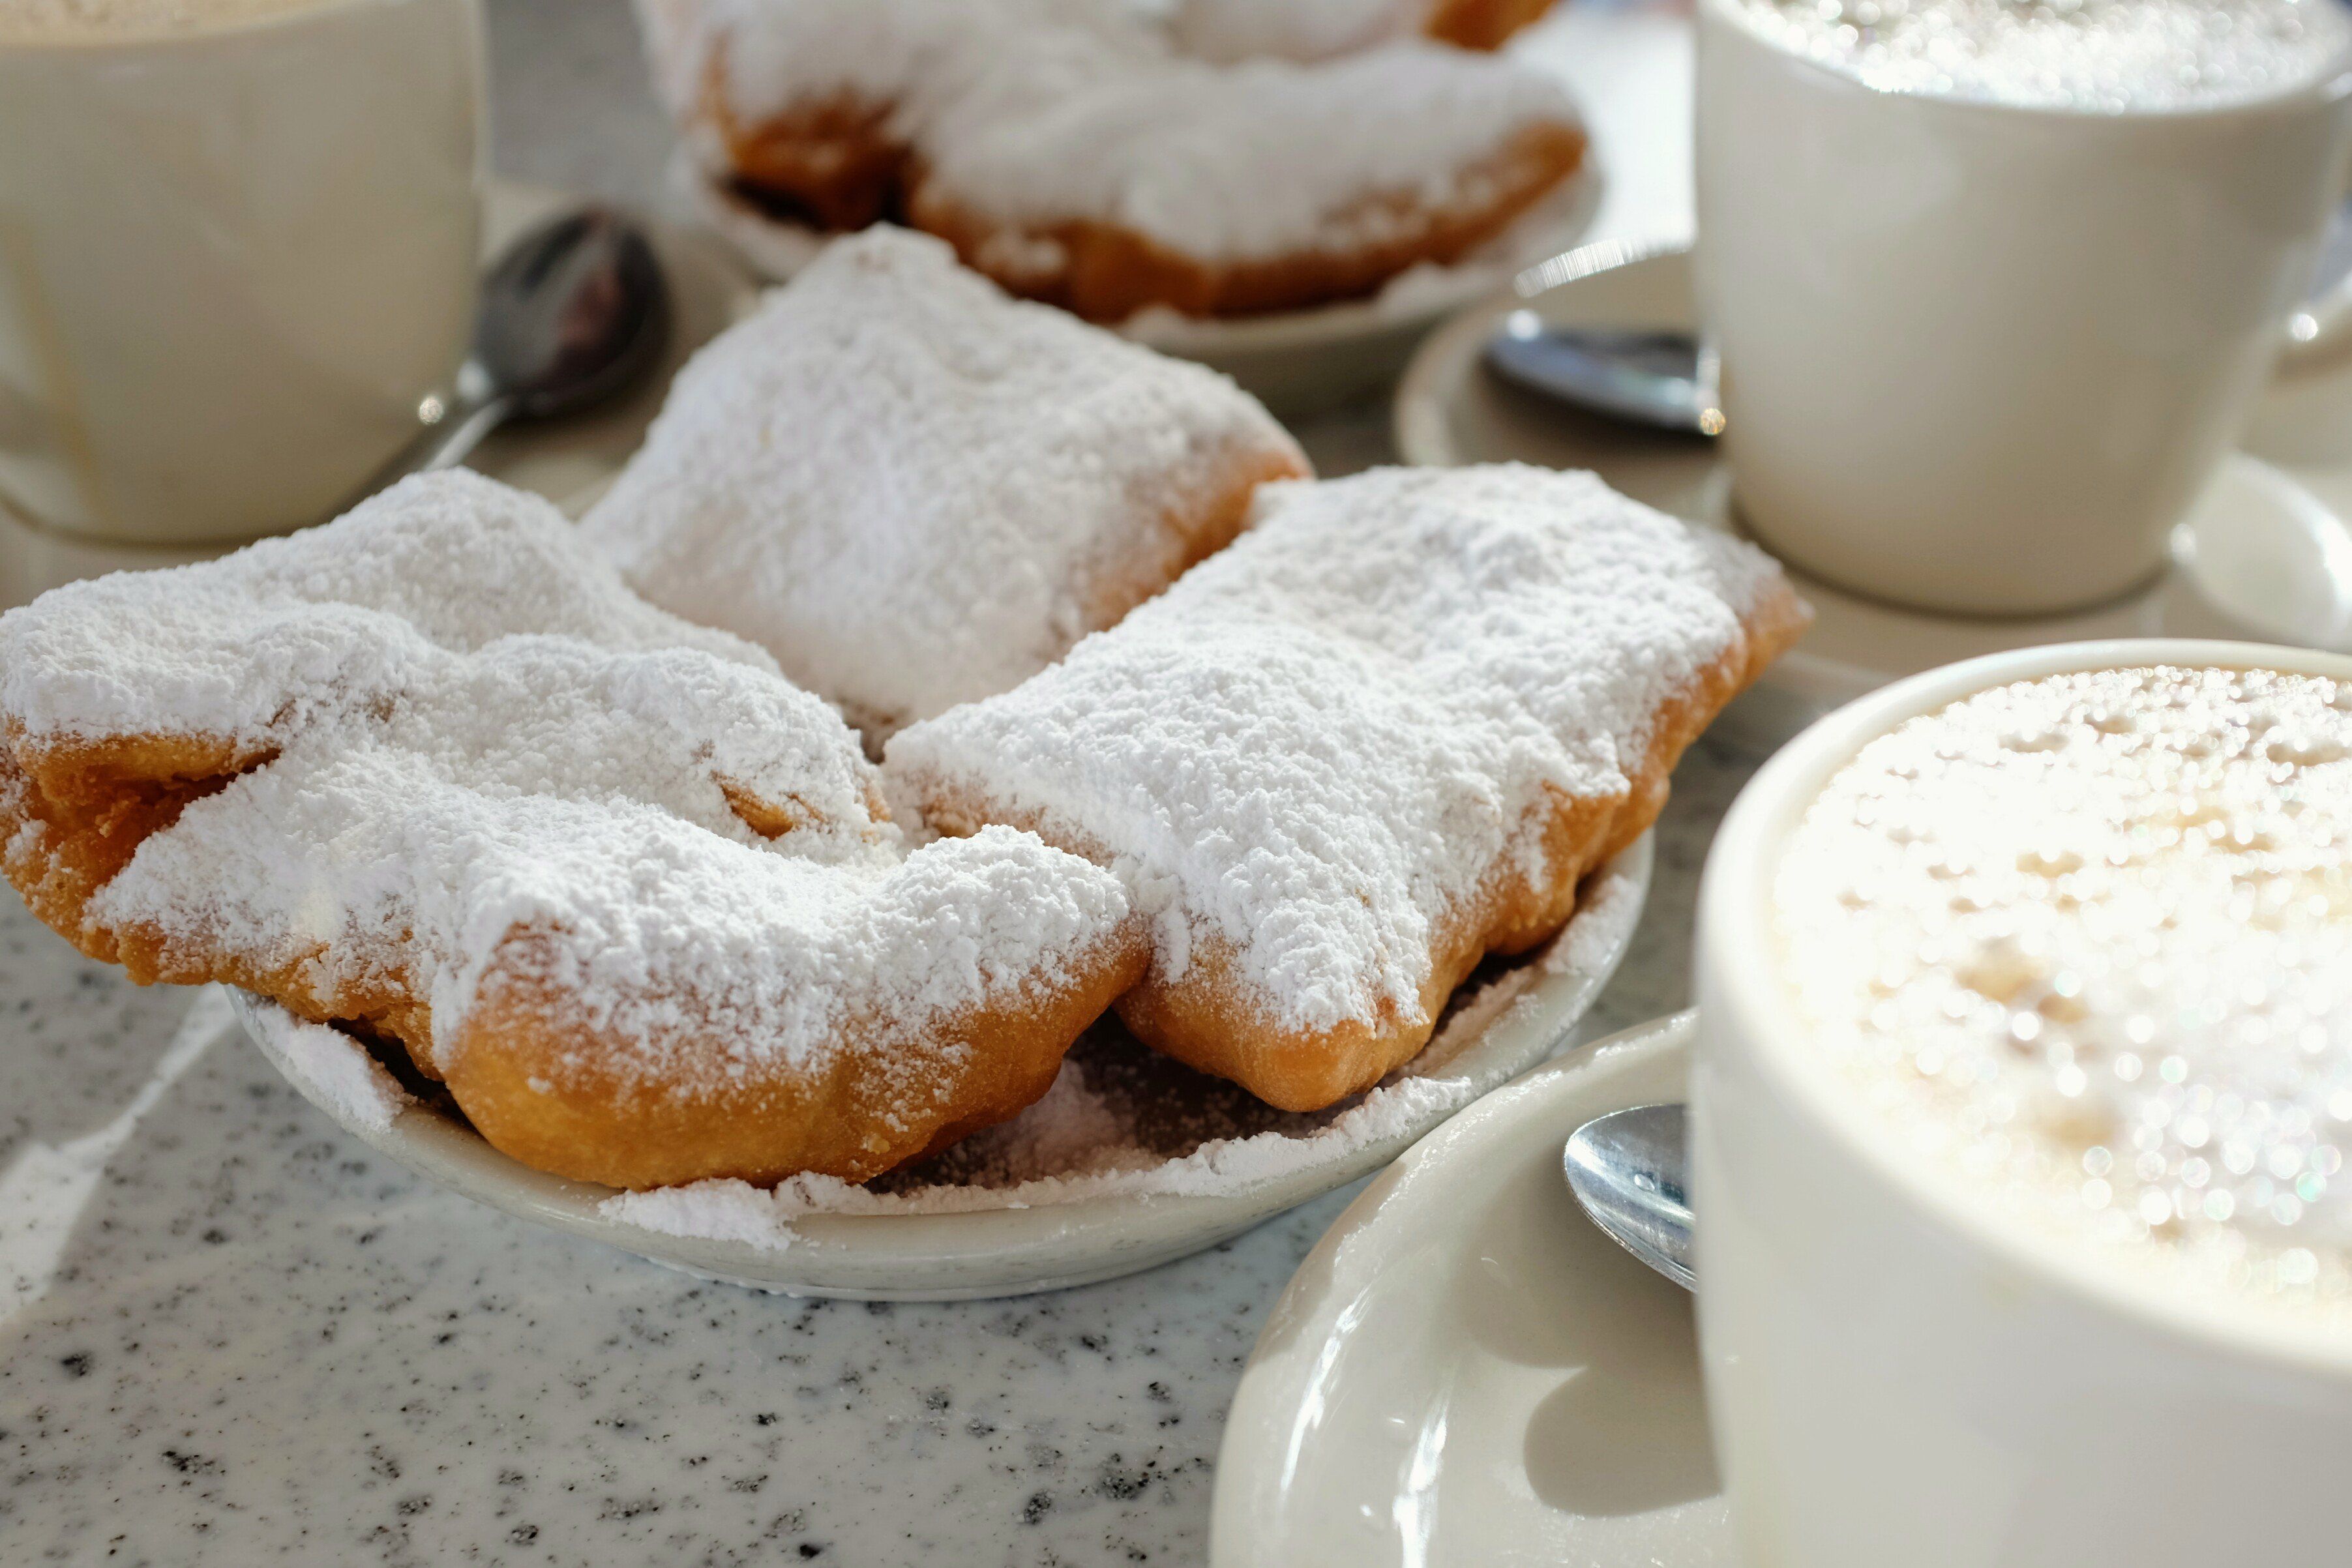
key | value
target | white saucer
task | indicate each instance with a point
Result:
(2261, 558)
(1465, 1371)
(1299, 363)
(1516, 1022)
(569, 461)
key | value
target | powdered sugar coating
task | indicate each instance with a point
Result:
(471, 728)
(1085, 1140)
(250, 646)
(1228, 30)
(1108, 1167)
(915, 491)
(1252, 162)
(334, 1071)
(1028, 113)
(1319, 743)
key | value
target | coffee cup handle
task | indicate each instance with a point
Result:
(2321, 326)
(2319, 331)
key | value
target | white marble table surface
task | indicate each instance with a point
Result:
(230, 1334)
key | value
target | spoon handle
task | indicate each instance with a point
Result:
(458, 442)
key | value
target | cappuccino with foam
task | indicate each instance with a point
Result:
(2084, 946)
(2101, 56)
(77, 21)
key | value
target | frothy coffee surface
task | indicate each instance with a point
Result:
(2107, 55)
(77, 21)
(2085, 944)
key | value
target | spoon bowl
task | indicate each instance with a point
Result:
(571, 312)
(1629, 1170)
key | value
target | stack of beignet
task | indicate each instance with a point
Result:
(1073, 153)
(432, 773)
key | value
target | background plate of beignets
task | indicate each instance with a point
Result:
(914, 491)
(1231, 30)
(432, 773)
(1069, 152)
(1383, 735)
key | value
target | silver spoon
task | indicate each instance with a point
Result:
(571, 312)
(1647, 376)
(1629, 1171)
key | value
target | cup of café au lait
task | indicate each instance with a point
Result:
(238, 243)
(1993, 285)
(2020, 1114)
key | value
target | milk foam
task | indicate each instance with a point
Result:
(2085, 945)
(84, 21)
(2100, 56)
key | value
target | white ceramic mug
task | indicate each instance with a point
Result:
(238, 264)
(1895, 1379)
(1982, 358)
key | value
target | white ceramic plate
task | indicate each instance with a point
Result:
(2260, 558)
(1299, 363)
(1464, 1370)
(1513, 1024)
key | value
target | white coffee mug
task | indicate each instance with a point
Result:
(237, 263)
(1893, 1379)
(1982, 358)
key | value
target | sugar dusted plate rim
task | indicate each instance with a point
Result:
(1000, 1251)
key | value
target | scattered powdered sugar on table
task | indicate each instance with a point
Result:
(915, 491)
(1123, 1121)
(1322, 741)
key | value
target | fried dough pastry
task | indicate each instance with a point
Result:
(1385, 733)
(915, 492)
(1068, 151)
(1229, 30)
(432, 773)
(1234, 190)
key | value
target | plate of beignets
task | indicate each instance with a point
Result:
(1230, 830)
(1240, 184)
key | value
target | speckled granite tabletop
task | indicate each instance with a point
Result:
(230, 1334)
